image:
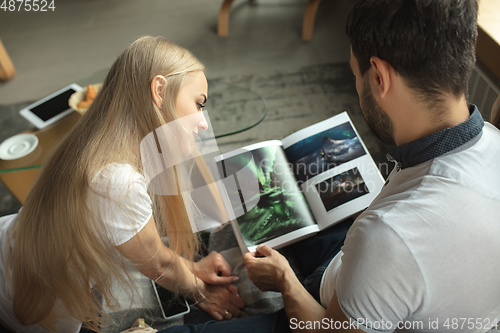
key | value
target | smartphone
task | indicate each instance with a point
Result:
(171, 305)
(50, 109)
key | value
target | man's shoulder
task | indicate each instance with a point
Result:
(473, 166)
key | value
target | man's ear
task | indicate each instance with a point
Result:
(381, 76)
(158, 86)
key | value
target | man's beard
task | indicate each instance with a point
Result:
(377, 119)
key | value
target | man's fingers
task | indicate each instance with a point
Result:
(265, 250)
(262, 251)
(248, 256)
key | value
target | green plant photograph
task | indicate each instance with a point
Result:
(281, 207)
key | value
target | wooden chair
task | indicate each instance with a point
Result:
(7, 70)
(307, 25)
(309, 18)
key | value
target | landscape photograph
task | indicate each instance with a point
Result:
(341, 188)
(323, 151)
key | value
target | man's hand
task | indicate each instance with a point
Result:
(268, 273)
(214, 269)
(221, 302)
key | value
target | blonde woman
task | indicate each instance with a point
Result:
(90, 207)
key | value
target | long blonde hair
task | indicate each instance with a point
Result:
(59, 249)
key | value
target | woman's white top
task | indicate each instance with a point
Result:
(126, 213)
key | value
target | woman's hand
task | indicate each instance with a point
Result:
(208, 280)
(221, 302)
(214, 269)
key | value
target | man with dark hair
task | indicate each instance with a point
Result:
(424, 256)
(429, 43)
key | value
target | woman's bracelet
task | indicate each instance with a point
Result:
(161, 275)
(197, 301)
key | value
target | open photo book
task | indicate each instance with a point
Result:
(291, 189)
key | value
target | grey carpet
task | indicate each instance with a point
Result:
(300, 98)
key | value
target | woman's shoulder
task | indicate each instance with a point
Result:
(119, 197)
(119, 169)
(118, 173)
(6, 222)
(119, 179)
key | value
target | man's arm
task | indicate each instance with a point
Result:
(273, 272)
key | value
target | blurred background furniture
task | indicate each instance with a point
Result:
(309, 18)
(488, 40)
(7, 70)
(307, 25)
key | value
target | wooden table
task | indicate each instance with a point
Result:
(19, 175)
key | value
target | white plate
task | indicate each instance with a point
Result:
(18, 146)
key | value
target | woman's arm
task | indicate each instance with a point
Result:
(213, 269)
(156, 261)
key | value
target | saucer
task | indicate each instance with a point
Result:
(18, 146)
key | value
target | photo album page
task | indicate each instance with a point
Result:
(284, 191)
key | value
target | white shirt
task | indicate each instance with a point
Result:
(129, 208)
(426, 253)
(126, 214)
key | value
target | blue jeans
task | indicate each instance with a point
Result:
(313, 256)
(273, 322)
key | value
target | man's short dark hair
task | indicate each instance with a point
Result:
(430, 43)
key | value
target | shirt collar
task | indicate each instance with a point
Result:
(439, 143)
